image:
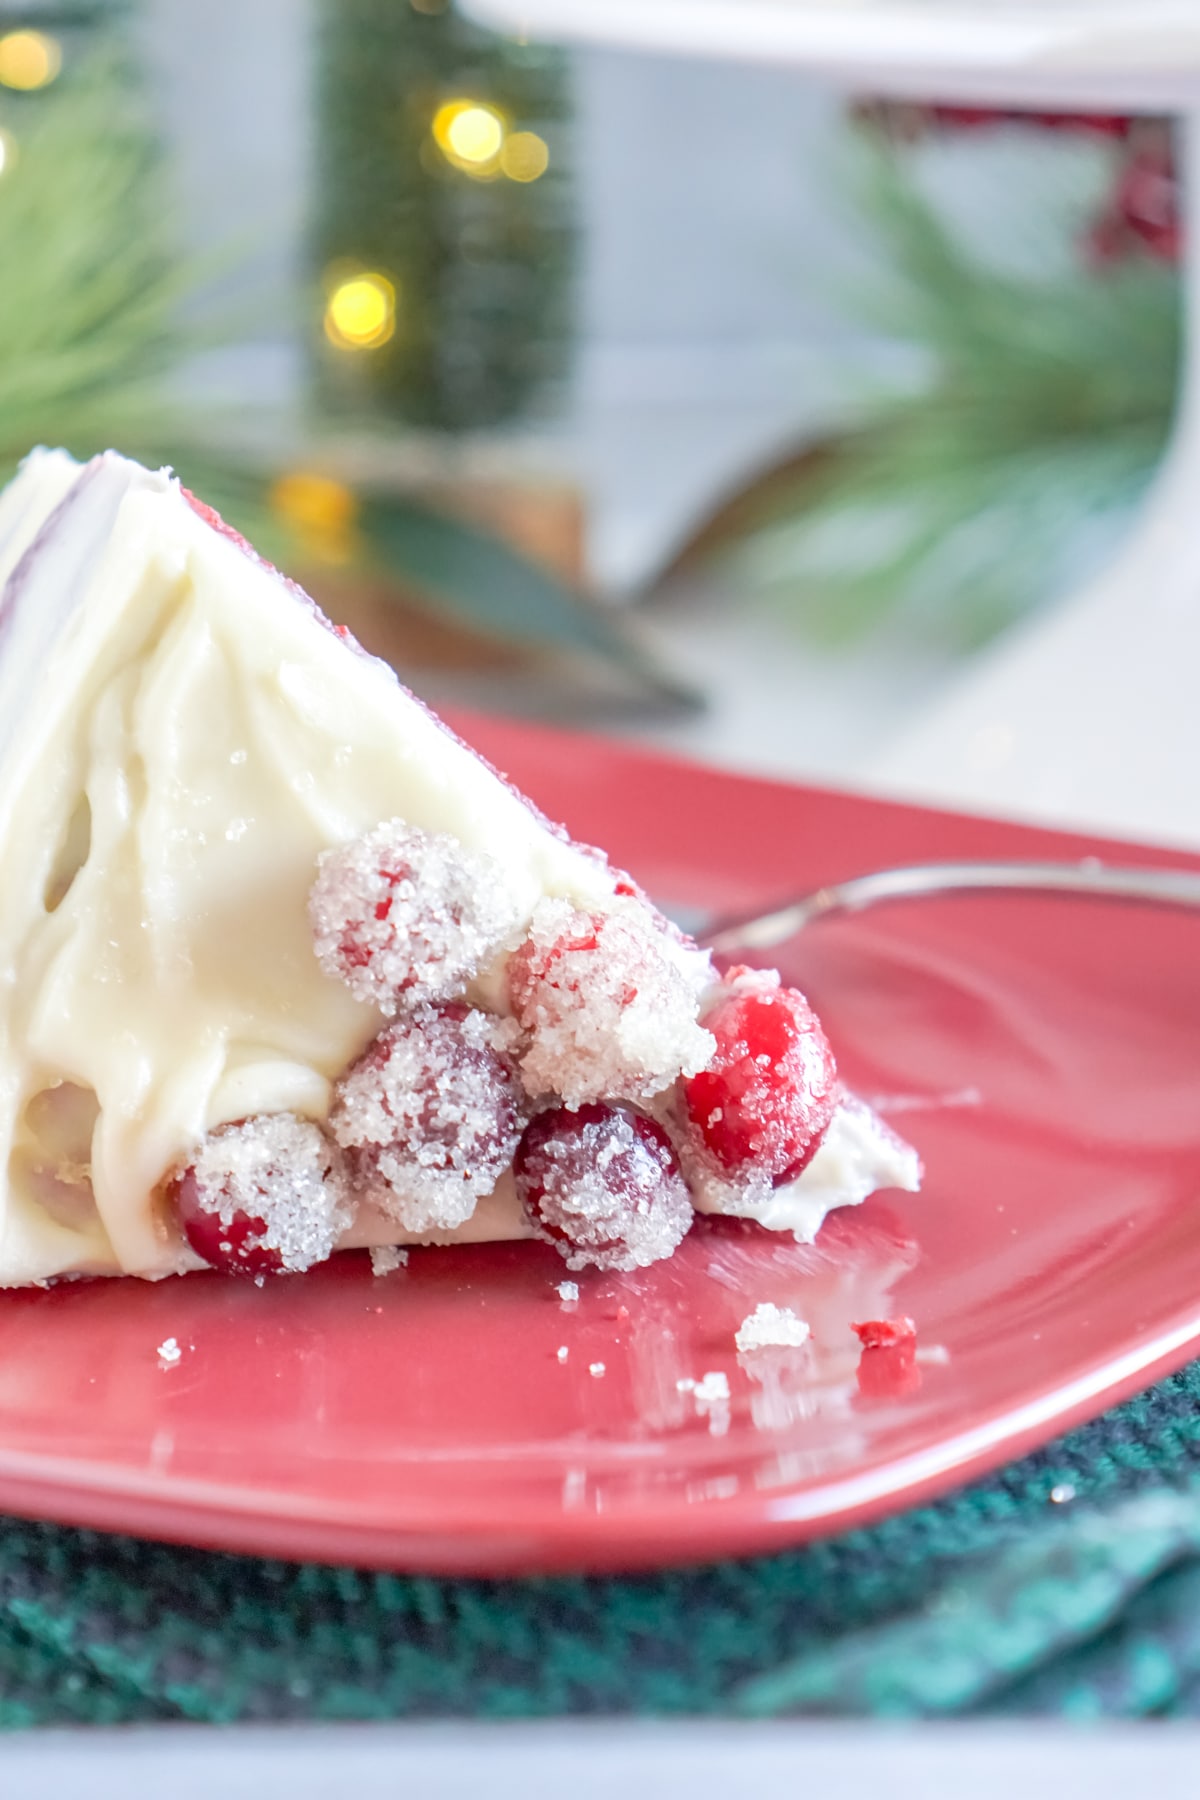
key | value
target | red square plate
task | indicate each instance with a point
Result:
(1043, 1054)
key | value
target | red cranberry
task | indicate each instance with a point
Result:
(607, 1003)
(603, 1185)
(262, 1195)
(766, 1099)
(538, 965)
(236, 1248)
(402, 914)
(430, 1115)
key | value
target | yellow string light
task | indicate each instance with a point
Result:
(360, 313)
(470, 135)
(29, 59)
(322, 512)
(525, 156)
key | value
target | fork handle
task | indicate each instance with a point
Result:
(1162, 887)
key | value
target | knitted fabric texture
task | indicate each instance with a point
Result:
(1067, 1584)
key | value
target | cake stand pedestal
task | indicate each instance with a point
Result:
(1088, 715)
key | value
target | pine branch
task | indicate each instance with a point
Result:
(954, 511)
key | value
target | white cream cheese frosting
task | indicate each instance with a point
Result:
(181, 736)
(858, 1154)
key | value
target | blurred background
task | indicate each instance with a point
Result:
(679, 398)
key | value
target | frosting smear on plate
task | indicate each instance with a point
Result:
(285, 967)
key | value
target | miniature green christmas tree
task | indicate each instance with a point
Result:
(441, 235)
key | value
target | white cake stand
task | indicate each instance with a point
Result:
(1089, 716)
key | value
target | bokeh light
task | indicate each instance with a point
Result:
(360, 313)
(8, 150)
(469, 135)
(29, 59)
(321, 511)
(525, 156)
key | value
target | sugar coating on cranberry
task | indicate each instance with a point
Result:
(766, 1098)
(405, 916)
(603, 1185)
(609, 1009)
(430, 1114)
(262, 1195)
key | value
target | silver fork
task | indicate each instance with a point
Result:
(1090, 877)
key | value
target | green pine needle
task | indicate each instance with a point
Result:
(954, 511)
(88, 297)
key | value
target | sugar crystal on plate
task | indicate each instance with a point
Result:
(771, 1324)
(387, 1258)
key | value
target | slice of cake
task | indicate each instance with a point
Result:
(287, 968)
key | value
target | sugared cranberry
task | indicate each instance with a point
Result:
(607, 1002)
(261, 1196)
(407, 916)
(765, 1100)
(546, 963)
(236, 1247)
(430, 1114)
(603, 1185)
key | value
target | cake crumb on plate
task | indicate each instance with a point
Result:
(885, 1334)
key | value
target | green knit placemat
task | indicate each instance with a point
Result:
(1069, 1584)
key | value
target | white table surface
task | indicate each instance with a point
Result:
(691, 1760)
